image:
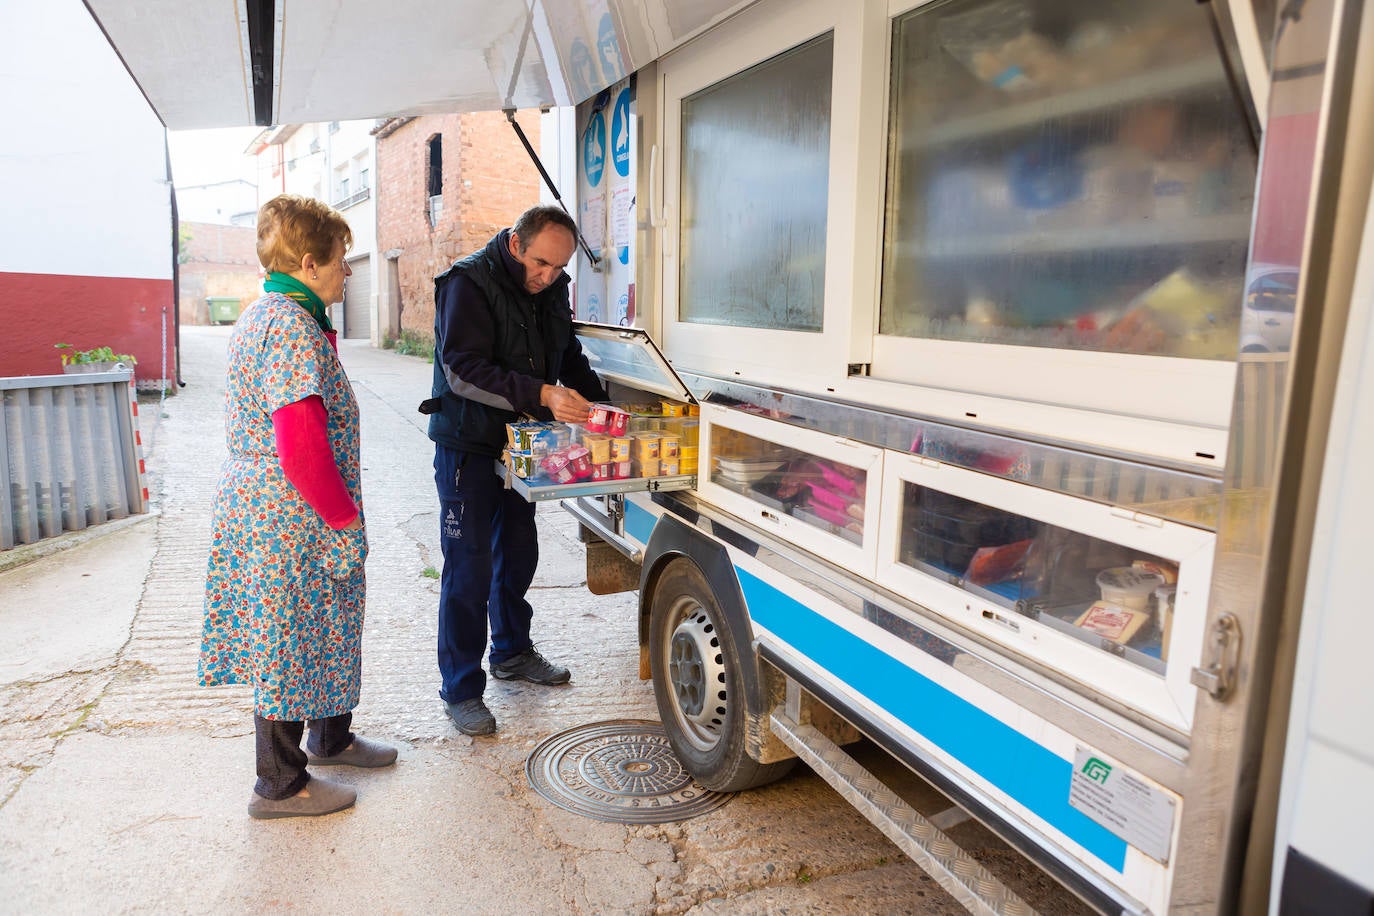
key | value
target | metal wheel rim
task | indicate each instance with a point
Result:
(695, 667)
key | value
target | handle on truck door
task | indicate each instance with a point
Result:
(1224, 652)
(658, 214)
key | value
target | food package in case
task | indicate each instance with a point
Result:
(1112, 621)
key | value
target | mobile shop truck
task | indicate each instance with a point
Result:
(1026, 342)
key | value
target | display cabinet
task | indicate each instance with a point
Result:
(816, 491)
(1106, 597)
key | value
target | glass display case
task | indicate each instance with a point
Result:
(1105, 595)
(650, 443)
(1069, 175)
(817, 491)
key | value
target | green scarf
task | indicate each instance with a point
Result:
(298, 292)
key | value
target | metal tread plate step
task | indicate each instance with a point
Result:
(968, 882)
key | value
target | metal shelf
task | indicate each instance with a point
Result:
(1195, 75)
(537, 492)
(1229, 227)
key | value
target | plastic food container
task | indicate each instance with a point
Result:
(668, 467)
(1128, 586)
(522, 464)
(580, 462)
(644, 448)
(599, 420)
(556, 467)
(604, 471)
(620, 448)
(645, 467)
(622, 469)
(617, 421)
(836, 480)
(668, 447)
(599, 446)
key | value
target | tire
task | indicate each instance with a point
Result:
(699, 683)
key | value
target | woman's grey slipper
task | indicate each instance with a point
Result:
(361, 753)
(325, 798)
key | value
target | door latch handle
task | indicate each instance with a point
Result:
(1219, 677)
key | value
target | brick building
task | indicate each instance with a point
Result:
(216, 261)
(448, 182)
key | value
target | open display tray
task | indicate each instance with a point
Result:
(535, 491)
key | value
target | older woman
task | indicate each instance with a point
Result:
(284, 590)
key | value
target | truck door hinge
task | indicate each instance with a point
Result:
(1223, 657)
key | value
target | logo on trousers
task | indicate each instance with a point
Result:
(452, 525)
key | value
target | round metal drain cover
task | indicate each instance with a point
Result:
(621, 771)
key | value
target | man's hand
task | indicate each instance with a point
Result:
(567, 405)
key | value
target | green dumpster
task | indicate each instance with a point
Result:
(223, 309)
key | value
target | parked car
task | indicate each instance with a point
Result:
(1266, 321)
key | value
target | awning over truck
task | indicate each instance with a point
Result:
(264, 62)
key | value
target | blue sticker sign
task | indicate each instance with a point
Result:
(608, 48)
(594, 149)
(620, 133)
(583, 68)
(594, 308)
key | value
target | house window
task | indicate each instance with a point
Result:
(434, 177)
(363, 181)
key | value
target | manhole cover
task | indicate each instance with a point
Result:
(621, 771)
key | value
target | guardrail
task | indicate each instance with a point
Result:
(70, 454)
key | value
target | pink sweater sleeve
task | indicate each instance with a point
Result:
(308, 462)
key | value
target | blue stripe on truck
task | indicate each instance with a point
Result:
(639, 522)
(1029, 773)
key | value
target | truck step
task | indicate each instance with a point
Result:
(956, 871)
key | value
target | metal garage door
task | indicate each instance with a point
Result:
(358, 299)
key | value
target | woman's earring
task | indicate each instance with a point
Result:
(314, 276)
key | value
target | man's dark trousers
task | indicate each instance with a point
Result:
(491, 550)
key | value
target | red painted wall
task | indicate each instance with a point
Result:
(123, 313)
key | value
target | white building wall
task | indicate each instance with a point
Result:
(85, 180)
(331, 162)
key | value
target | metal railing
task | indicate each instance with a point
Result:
(70, 454)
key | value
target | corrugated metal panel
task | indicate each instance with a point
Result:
(70, 454)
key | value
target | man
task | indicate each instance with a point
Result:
(503, 341)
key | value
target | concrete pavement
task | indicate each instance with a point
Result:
(123, 785)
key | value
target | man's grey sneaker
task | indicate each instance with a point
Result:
(471, 717)
(324, 797)
(360, 753)
(530, 666)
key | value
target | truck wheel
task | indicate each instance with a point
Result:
(699, 685)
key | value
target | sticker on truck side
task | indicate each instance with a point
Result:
(1125, 804)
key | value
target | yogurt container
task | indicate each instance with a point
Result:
(522, 464)
(580, 462)
(618, 421)
(604, 471)
(599, 446)
(1128, 586)
(620, 448)
(622, 469)
(668, 467)
(599, 420)
(555, 466)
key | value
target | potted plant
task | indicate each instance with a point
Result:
(99, 359)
